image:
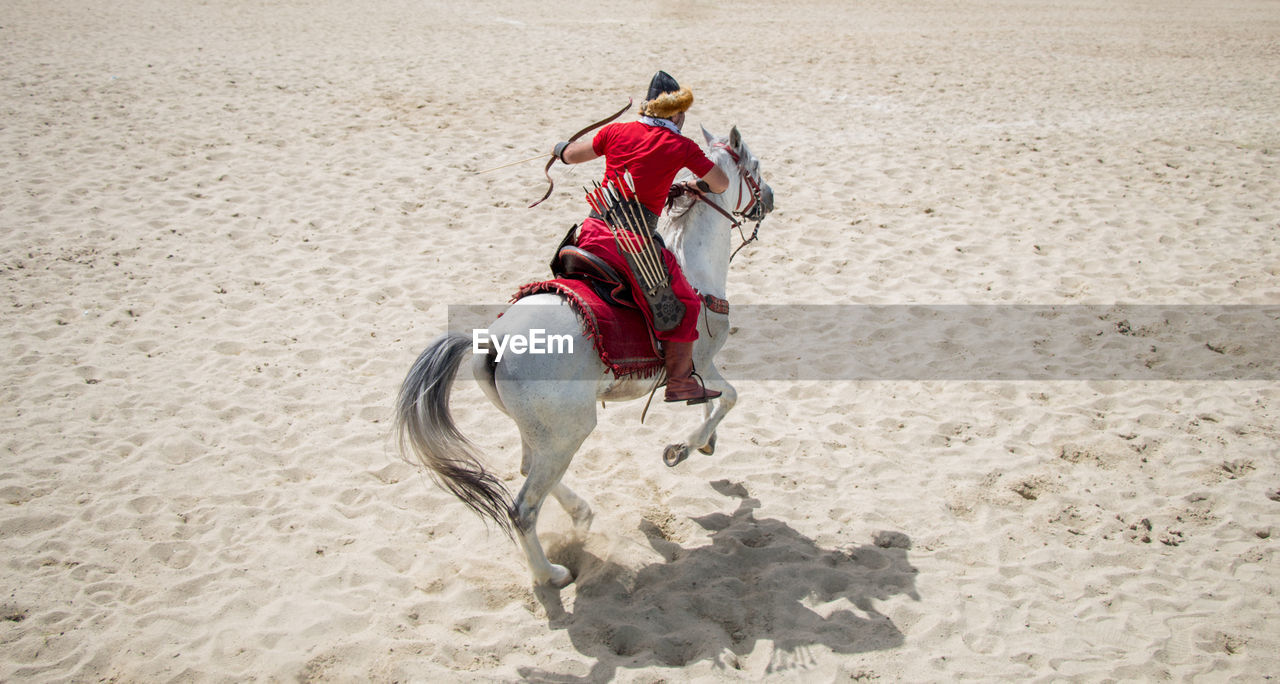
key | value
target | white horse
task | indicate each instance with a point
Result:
(552, 397)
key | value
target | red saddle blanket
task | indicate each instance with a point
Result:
(620, 335)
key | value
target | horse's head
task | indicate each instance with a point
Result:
(754, 198)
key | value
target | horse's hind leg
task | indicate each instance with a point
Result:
(546, 467)
(548, 453)
(575, 506)
(525, 517)
(551, 397)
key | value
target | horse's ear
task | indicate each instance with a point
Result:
(735, 139)
(711, 139)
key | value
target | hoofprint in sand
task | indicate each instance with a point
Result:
(227, 229)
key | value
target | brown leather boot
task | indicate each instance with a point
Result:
(681, 385)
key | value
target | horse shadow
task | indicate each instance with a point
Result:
(757, 580)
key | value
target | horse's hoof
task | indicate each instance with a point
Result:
(710, 447)
(560, 577)
(582, 523)
(674, 454)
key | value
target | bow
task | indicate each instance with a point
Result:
(547, 170)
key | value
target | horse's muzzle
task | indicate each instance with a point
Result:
(763, 207)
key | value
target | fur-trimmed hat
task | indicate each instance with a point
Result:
(666, 98)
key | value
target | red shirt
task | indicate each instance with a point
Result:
(653, 154)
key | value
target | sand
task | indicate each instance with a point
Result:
(229, 227)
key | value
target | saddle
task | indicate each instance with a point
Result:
(603, 300)
(575, 263)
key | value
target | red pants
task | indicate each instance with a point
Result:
(595, 237)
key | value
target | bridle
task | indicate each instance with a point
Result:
(753, 211)
(744, 179)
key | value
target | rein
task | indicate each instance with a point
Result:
(735, 223)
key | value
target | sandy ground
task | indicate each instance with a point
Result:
(228, 228)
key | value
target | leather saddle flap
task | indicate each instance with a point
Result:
(576, 262)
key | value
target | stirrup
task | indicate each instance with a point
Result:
(706, 395)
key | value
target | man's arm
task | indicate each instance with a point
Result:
(716, 179)
(579, 151)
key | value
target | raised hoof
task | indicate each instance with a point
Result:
(710, 448)
(560, 577)
(582, 522)
(674, 454)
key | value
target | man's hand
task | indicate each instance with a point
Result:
(699, 187)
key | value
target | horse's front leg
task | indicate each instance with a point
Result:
(708, 410)
(703, 437)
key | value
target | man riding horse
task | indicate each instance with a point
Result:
(553, 398)
(643, 157)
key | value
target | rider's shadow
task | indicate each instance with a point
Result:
(757, 580)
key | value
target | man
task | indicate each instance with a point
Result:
(653, 150)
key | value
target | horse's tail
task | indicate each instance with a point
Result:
(426, 432)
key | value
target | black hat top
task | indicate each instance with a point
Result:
(661, 83)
